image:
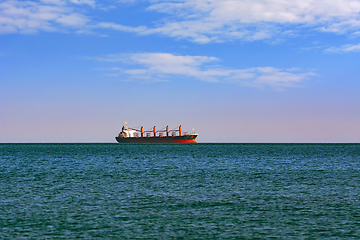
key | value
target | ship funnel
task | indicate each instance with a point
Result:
(180, 130)
(154, 131)
(142, 131)
(167, 130)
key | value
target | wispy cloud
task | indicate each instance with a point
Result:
(344, 48)
(119, 27)
(200, 21)
(163, 66)
(47, 15)
(220, 20)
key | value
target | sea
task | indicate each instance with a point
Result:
(179, 191)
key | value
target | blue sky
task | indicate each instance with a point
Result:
(235, 70)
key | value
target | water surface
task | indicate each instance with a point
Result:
(285, 191)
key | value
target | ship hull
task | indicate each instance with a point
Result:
(169, 139)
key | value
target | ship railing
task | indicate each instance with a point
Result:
(158, 133)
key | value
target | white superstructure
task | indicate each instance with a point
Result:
(128, 132)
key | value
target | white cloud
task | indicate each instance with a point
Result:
(86, 2)
(163, 66)
(31, 17)
(219, 20)
(344, 48)
(201, 21)
(114, 26)
(279, 79)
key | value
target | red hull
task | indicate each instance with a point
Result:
(175, 139)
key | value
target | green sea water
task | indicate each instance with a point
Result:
(166, 191)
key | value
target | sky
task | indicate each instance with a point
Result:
(247, 71)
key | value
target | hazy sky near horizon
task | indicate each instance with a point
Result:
(235, 70)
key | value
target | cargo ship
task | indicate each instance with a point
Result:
(132, 135)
